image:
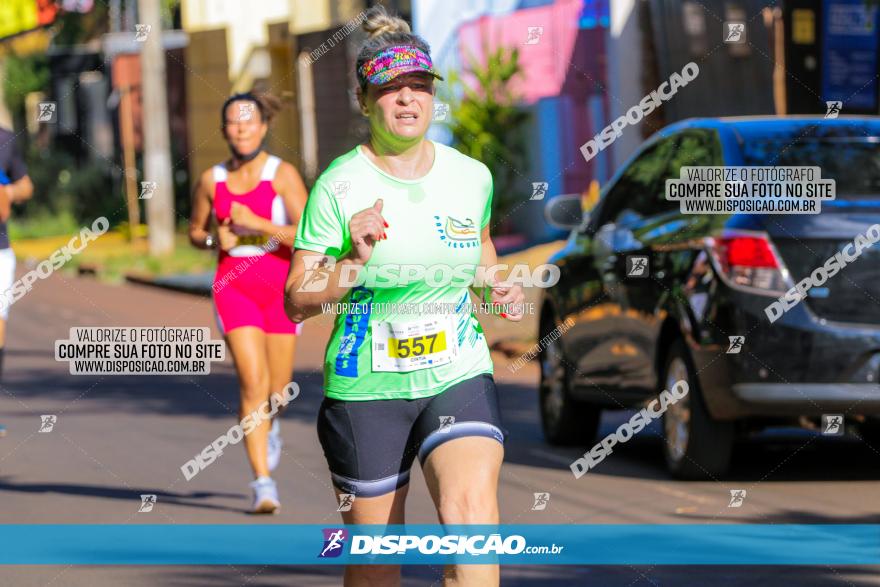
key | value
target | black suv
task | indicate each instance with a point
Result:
(648, 295)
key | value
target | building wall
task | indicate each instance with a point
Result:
(547, 64)
(563, 83)
(339, 123)
(831, 53)
(308, 15)
(626, 37)
(734, 79)
(284, 136)
(244, 21)
(207, 87)
(252, 45)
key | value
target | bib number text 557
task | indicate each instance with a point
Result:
(417, 345)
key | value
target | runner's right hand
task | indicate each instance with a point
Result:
(225, 236)
(367, 227)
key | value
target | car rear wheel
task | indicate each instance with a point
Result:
(696, 446)
(564, 420)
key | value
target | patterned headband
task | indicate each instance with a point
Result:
(394, 61)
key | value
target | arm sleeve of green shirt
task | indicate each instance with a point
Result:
(487, 211)
(322, 226)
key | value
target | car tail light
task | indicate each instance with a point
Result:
(750, 260)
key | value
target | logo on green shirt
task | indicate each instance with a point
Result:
(457, 234)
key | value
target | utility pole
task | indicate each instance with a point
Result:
(157, 149)
(126, 127)
(5, 115)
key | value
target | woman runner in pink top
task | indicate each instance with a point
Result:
(256, 201)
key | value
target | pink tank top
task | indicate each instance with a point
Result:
(263, 201)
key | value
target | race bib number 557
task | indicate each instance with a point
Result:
(407, 346)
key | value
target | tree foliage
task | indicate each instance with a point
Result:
(74, 28)
(21, 76)
(488, 124)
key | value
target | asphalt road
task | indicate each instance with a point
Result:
(119, 437)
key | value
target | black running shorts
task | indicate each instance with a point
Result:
(370, 446)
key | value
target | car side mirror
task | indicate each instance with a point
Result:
(565, 211)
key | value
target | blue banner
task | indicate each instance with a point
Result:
(849, 54)
(626, 544)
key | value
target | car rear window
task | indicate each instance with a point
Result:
(854, 163)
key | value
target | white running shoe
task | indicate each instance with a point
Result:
(273, 452)
(265, 496)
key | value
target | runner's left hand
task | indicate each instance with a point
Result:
(242, 216)
(505, 293)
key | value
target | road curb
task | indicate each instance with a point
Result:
(180, 283)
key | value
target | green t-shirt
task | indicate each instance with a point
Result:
(434, 220)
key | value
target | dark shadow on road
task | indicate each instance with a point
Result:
(791, 517)
(778, 455)
(190, 499)
(516, 575)
(211, 396)
(252, 575)
(795, 456)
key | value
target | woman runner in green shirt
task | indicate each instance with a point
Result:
(407, 370)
